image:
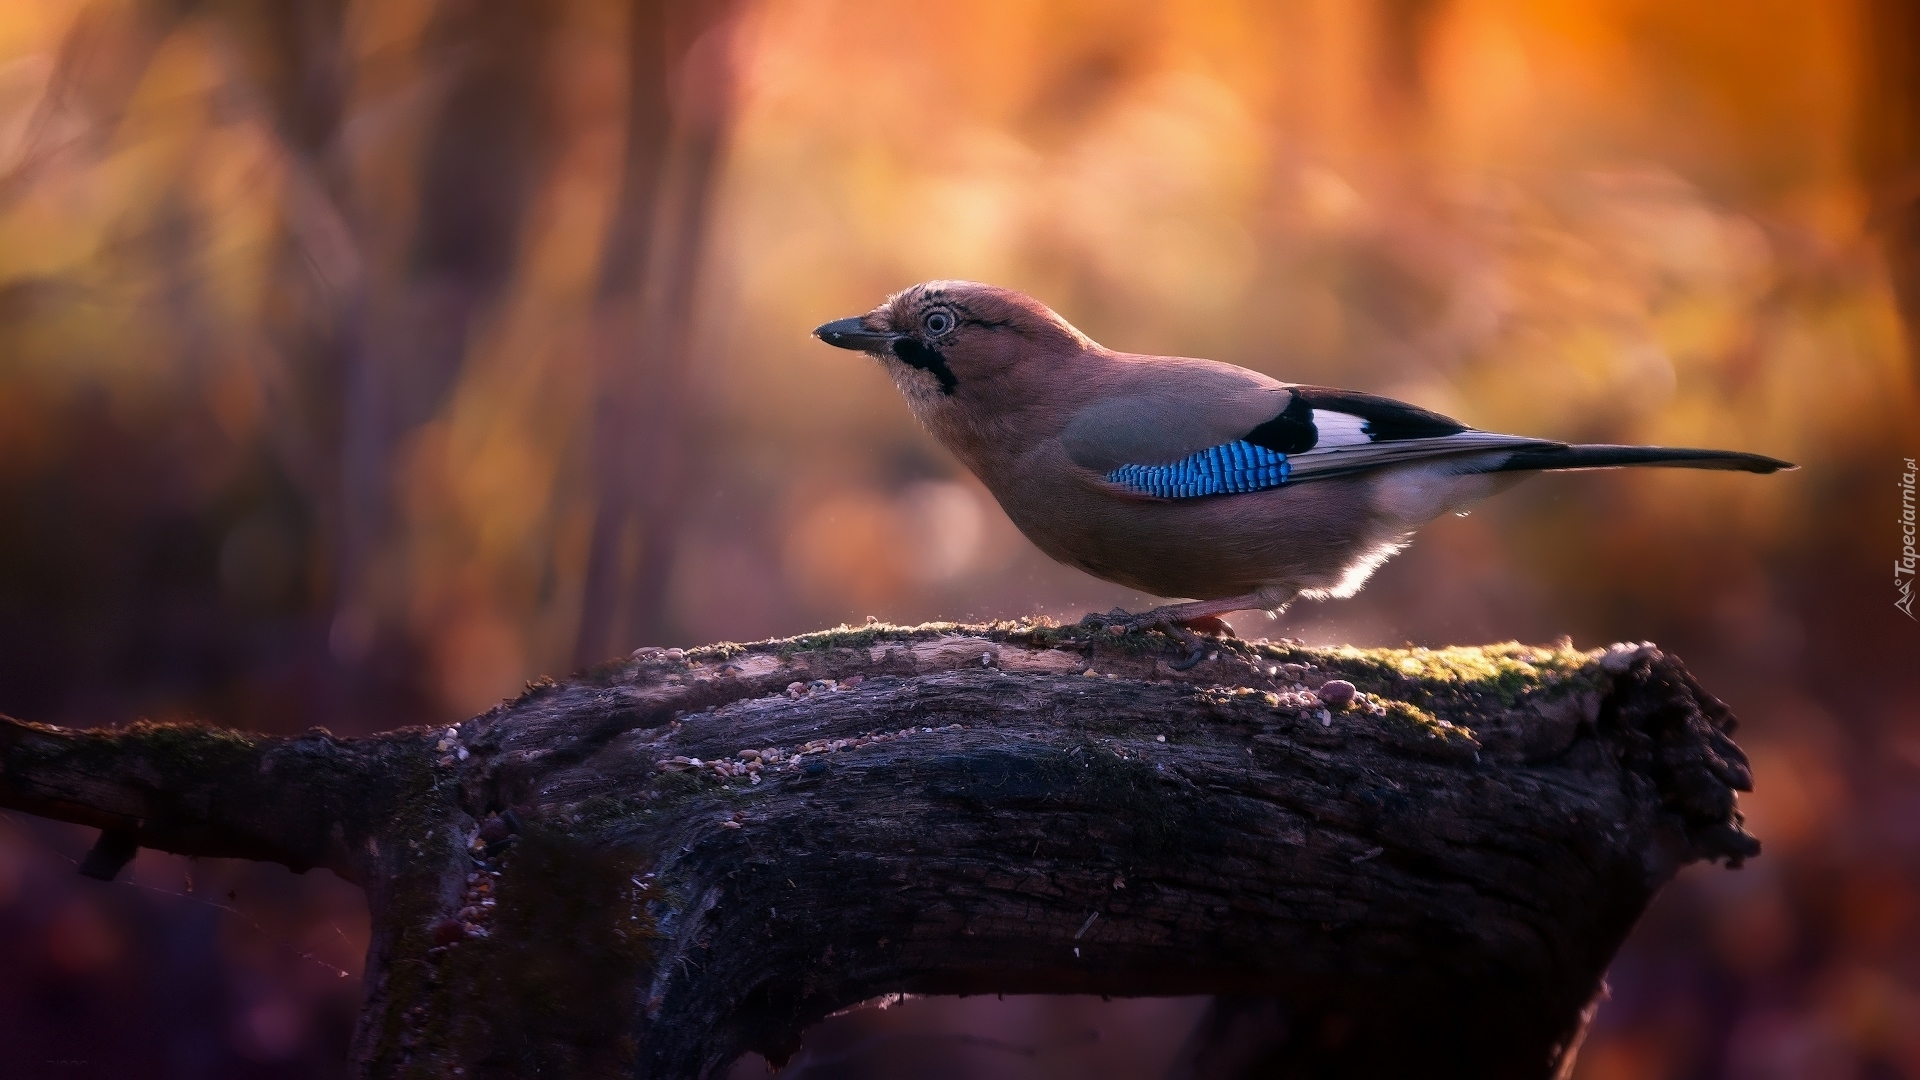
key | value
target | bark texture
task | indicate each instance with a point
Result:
(657, 865)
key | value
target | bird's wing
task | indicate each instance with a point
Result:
(1185, 445)
(1162, 412)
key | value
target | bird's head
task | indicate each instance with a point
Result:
(940, 337)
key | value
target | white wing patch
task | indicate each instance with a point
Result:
(1338, 429)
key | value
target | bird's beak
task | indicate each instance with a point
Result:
(853, 334)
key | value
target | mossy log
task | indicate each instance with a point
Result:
(657, 865)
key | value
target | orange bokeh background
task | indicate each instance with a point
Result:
(347, 378)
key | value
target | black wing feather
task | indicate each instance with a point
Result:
(1322, 432)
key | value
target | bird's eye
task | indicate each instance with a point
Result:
(938, 322)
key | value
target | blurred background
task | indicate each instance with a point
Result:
(360, 361)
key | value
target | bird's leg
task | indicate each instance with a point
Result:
(1177, 620)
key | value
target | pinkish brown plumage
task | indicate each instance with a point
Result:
(1192, 478)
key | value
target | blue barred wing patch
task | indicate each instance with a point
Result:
(1218, 470)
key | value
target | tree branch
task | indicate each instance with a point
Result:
(304, 802)
(657, 865)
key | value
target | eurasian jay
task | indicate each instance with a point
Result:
(1193, 478)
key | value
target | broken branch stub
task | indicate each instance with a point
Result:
(657, 865)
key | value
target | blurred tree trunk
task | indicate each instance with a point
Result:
(376, 331)
(1889, 147)
(652, 869)
(378, 291)
(482, 155)
(1404, 28)
(680, 100)
(382, 299)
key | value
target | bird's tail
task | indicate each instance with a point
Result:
(1600, 456)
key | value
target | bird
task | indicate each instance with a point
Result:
(1190, 478)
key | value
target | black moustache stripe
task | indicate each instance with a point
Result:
(918, 354)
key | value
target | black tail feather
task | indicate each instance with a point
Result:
(1598, 456)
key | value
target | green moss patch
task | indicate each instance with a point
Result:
(175, 750)
(1456, 683)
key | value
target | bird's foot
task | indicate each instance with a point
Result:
(1209, 625)
(1187, 631)
(1116, 620)
(1197, 646)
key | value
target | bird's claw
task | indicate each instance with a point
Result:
(1117, 620)
(1191, 640)
(1120, 622)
